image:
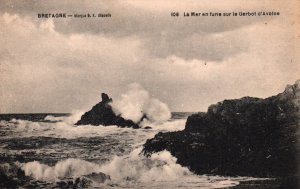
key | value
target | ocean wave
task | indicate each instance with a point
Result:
(54, 118)
(127, 171)
(66, 168)
(65, 128)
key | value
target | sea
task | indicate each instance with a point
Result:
(49, 151)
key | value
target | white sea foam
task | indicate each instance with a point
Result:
(53, 118)
(71, 119)
(24, 128)
(173, 125)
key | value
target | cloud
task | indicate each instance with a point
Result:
(43, 70)
(59, 65)
(162, 34)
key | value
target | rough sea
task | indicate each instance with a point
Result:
(49, 151)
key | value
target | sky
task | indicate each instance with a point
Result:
(62, 65)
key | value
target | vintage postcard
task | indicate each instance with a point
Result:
(149, 94)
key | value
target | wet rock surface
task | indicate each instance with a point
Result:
(246, 137)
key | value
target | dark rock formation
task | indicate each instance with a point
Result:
(102, 114)
(247, 137)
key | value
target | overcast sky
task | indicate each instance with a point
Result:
(61, 65)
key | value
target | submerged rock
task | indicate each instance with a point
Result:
(80, 182)
(98, 177)
(246, 137)
(86, 181)
(102, 114)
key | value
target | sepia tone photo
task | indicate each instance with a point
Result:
(149, 94)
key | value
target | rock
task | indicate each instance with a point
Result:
(246, 137)
(98, 177)
(86, 181)
(79, 182)
(102, 114)
(11, 176)
(147, 127)
(82, 183)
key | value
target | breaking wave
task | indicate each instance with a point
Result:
(160, 166)
(137, 102)
(126, 170)
(66, 168)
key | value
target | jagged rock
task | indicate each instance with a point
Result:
(247, 137)
(102, 114)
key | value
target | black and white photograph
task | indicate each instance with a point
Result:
(162, 94)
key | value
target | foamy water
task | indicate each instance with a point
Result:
(56, 150)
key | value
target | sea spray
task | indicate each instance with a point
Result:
(137, 102)
(159, 167)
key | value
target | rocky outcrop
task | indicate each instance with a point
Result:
(247, 137)
(103, 114)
